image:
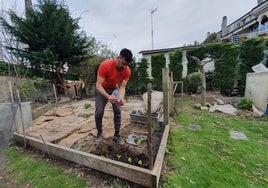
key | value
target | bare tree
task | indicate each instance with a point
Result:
(8, 40)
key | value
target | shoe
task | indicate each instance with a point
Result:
(119, 140)
(99, 137)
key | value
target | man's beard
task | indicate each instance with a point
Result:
(120, 68)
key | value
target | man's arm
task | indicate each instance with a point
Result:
(100, 88)
(122, 89)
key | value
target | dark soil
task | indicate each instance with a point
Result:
(136, 155)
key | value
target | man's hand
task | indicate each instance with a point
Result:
(121, 102)
(113, 99)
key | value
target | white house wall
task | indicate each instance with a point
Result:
(209, 67)
(184, 60)
(167, 60)
(149, 60)
(184, 64)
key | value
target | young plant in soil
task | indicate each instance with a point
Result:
(140, 162)
(129, 159)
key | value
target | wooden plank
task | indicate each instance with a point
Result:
(141, 122)
(170, 93)
(160, 155)
(142, 176)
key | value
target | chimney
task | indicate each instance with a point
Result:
(28, 4)
(224, 26)
(259, 1)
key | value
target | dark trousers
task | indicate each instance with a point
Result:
(100, 103)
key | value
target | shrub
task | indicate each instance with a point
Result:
(245, 104)
(194, 81)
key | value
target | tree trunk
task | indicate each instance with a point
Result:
(203, 86)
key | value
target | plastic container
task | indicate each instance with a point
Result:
(116, 94)
(142, 118)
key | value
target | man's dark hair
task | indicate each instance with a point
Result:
(127, 54)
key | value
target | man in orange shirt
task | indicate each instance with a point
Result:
(112, 79)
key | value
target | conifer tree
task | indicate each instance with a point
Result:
(53, 38)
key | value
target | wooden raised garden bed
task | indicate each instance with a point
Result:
(139, 175)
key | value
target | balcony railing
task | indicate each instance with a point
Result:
(238, 38)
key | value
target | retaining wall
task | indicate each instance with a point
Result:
(257, 89)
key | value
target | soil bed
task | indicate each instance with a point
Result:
(136, 155)
(73, 126)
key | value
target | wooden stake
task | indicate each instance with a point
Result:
(165, 81)
(149, 119)
(171, 96)
(56, 100)
(22, 122)
(12, 106)
(45, 144)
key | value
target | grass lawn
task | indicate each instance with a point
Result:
(26, 171)
(209, 157)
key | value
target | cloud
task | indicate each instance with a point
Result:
(127, 23)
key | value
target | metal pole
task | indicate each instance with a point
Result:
(152, 28)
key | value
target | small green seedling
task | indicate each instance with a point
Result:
(139, 141)
(87, 105)
(167, 151)
(118, 156)
(129, 159)
(140, 162)
(154, 126)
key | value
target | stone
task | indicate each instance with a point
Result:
(238, 135)
(194, 127)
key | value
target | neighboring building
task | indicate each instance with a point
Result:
(148, 53)
(251, 24)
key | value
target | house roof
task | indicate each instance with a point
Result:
(146, 52)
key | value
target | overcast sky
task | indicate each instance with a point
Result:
(127, 23)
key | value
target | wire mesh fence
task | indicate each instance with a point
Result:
(7, 120)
